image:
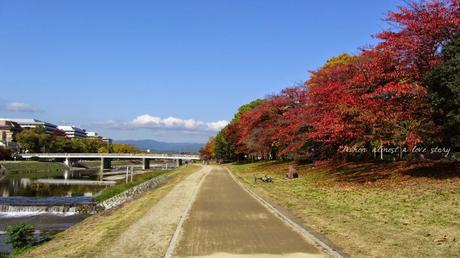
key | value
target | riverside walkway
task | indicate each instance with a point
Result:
(226, 221)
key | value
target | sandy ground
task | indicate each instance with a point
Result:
(225, 221)
(150, 236)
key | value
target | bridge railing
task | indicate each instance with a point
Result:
(108, 155)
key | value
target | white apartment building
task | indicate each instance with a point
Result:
(72, 131)
(93, 135)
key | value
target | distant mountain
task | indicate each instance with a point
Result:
(162, 146)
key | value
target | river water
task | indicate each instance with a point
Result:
(27, 185)
(26, 192)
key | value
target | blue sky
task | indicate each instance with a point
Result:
(167, 70)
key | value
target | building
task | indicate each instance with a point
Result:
(72, 131)
(93, 135)
(107, 140)
(27, 123)
(8, 132)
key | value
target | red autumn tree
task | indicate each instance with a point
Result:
(232, 132)
(421, 31)
(292, 133)
(207, 151)
(334, 109)
(258, 129)
(371, 99)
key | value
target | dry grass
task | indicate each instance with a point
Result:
(370, 210)
(90, 237)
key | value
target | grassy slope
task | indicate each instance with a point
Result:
(392, 215)
(121, 162)
(91, 236)
(15, 167)
(119, 188)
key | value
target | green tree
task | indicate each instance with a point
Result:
(93, 145)
(222, 150)
(124, 148)
(60, 144)
(102, 149)
(443, 84)
(34, 140)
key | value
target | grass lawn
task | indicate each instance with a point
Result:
(386, 210)
(90, 237)
(19, 167)
(137, 180)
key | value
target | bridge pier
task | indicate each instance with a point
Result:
(106, 163)
(178, 162)
(145, 164)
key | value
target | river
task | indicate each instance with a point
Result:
(23, 198)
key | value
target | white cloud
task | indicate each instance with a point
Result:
(20, 107)
(149, 121)
(216, 126)
(146, 120)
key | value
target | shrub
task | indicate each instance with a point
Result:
(20, 235)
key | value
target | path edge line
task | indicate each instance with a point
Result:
(183, 218)
(328, 249)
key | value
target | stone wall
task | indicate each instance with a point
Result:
(132, 193)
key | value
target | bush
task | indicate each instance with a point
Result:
(20, 235)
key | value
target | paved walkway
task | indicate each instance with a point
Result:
(225, 221)
(151, 235)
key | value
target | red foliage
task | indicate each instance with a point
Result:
(207, 152)
(258, 128)
(422, 29)
(374, 98)
(293, 126)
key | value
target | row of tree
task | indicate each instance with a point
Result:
(400, 93)
(37, 140)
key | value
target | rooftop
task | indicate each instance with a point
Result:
(26, 121)
(69, 128)
(9, 125)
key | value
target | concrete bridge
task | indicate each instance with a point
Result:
(106, 158)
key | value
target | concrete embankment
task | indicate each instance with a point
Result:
(132, 193)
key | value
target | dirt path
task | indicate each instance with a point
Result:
(225, 221)
(150, 236)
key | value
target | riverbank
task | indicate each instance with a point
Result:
(21, 167)
(114, 163)
(370, 210)
(137, 180)
(94, 235)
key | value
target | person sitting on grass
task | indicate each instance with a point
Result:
(292, 173)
